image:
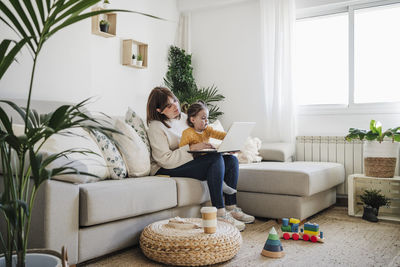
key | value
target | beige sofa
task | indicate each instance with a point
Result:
(93, 219)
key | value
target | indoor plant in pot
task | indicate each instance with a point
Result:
(380, 156)
(139, 61)
(104, 25)
(373, 199)
(24, 167)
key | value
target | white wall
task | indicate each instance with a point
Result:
(76, 64)
(226, 51)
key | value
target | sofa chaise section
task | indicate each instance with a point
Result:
(288, 189)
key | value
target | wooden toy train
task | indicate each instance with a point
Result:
(290, 229)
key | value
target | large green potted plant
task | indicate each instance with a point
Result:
(179, 79)
(380, 156)
(373, 199)
(35, 22)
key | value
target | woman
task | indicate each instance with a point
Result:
(166, 124)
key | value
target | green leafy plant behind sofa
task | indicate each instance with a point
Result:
(179, 79)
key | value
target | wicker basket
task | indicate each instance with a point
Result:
(381, 167)
(190, 247)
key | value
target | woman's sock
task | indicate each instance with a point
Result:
(227, 189)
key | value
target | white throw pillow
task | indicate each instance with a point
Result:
(115, 163)
(90, 163)
(133, 150)
(78, 140)
(137, 124)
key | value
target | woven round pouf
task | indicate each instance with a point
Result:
(190, 247)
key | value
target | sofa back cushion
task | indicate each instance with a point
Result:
(277, 151)
(115, 163)
(133, 150)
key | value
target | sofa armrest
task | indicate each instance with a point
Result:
(55, 218)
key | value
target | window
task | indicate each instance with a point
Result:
(377, 54)
(321, 60)
(349, 58)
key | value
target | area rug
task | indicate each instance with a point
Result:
(349, 241)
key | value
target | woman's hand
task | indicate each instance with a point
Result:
(200, 146)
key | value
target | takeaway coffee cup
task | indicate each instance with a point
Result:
(209, 215)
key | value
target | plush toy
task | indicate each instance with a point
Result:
(249, 153)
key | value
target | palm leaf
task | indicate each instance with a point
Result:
(19, 110)
(17, 6)
(6, 122)
(211, 94)
(39, 5)
(76, 18)
(7, 59)
(31, 10)
(18, 28)
(48, 5)
(75, 7)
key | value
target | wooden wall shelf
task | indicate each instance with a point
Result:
(110, 17)
(127, 51)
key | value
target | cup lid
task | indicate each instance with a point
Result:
(208, 209)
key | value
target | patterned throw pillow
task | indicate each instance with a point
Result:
(137, 124)
(115, 163)
(133, 150)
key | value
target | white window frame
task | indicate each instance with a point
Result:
(352, 108)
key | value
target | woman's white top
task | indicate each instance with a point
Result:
(164, 144)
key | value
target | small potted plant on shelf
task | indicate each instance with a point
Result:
(139, 60)
(373, 199)
(106, 3)
(104, 25)
(380, 156)
(133, 59)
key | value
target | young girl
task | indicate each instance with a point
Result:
(200, 132)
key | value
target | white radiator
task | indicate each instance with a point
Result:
(333, 149)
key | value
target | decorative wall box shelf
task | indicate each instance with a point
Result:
(130, 47)
(110, 17)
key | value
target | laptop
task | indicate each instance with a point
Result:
(234, 139)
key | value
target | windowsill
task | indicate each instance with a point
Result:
(370, 108)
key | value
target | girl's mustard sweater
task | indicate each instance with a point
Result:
(190, 136)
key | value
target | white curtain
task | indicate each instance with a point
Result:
(277, 23)
(183, 33)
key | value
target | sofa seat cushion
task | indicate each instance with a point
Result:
(298, 178)
(191, 191)
(112, 200)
